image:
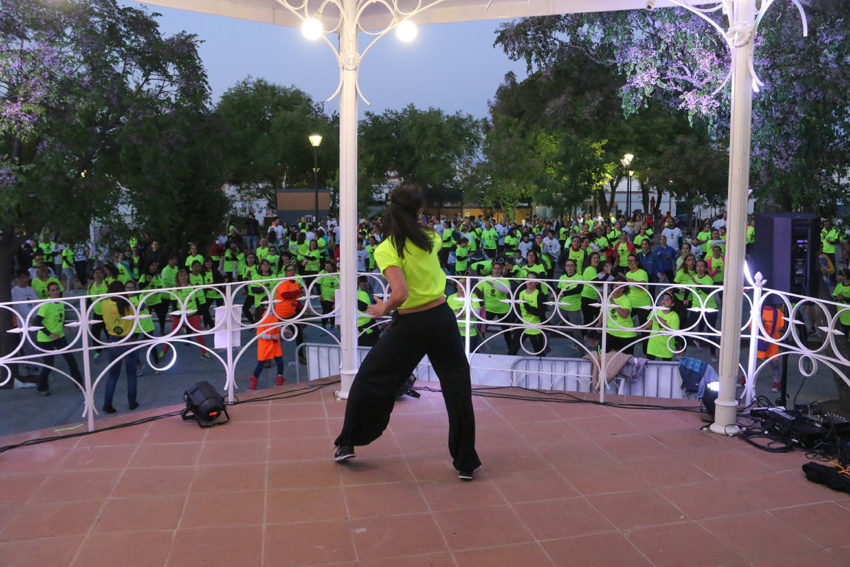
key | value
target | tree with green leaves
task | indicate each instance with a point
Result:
(801, 116)
(81, 83)
(575, 101)
(266, 146)
(428, 148)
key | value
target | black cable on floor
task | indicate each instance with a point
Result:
(560, 397)
(276, 396)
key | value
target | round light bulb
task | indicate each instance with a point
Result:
(312, 29)
(406, 31)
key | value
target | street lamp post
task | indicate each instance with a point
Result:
(626, 161)
(315, 140)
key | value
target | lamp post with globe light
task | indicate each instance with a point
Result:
(626, 161)
(315, 141)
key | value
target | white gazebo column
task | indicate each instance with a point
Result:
(742, 21)
(349, 62)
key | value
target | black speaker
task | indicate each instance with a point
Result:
(786, 251)
(205, 405)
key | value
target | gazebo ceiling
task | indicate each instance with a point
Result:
(376, 15)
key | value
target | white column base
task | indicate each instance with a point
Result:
(346, 380)
(724, 418)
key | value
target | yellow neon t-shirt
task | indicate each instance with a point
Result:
(425, 279)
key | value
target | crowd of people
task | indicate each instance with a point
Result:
(539, 272)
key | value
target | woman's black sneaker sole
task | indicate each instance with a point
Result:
(343, 453)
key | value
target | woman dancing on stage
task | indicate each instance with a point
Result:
(422, 323)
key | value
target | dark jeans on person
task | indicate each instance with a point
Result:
(703, 326)
(327, 309)
(502, 319)
(538, 343)
(130, 361)
(262, 363)
(367, 336)
(206, 316)
(590, 314)
(82, 269)
(391, 361)
(620, 344)
(60, 343)
(161, 309)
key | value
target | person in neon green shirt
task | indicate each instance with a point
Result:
(194, 256)
(623, 248)
(51, 336)
(118, 317)
(462, 256)
(187, 304)
(482, 267)
(67, 255)
(274, 260)
(618, 318)
(511, 242)
(233, 257)
(590, 298)
(751, 235)
(489, 240)
(367, 332)
(686, 277)
(532, 310)
(707, 304)
(638, 295)
(144, 325)
(662, 321)
(576, 253)
(42, 281)
(703, 238)
(159, 302)
(328, 284)
(532, 266)
(423, 325)
(457, 303)
(642, 235)
(841, 293)
(312, 261)
(716, 265)
(497, 307)
(569, 299)
(169, 273)
(448, 244)
(830, 239)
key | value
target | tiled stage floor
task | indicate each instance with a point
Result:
(561, 484)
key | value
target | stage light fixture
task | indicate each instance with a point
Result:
(205, 405)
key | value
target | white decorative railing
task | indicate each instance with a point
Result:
(576, 369)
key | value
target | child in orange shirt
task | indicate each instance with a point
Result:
(268, 348)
